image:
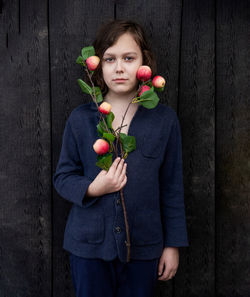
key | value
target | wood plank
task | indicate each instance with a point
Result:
(9, 16)
(25, 154)
(197, 118)
(232, 149)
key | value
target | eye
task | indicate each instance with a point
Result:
(110, 59)
(130, 58)
(107, 59)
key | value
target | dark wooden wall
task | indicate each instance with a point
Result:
(203, 51)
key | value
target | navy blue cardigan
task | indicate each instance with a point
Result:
(153, 194)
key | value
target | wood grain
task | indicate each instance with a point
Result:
(203, 51)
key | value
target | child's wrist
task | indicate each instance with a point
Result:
(92, 191)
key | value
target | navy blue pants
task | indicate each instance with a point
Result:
(98, 278)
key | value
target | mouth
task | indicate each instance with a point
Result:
(119, 80)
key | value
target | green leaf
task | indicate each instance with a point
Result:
(98, 93)
(150, 84)
(104, 161)
(85, 87)
(109, 119)
(110, 147)
(149, 99)
(88, 52)
(128, 142)
(101, 128)
(80, 61)
(159, 89)
(109, 136)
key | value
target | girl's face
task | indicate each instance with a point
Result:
(122, 60)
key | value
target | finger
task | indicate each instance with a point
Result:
(114, 165)
(166, 274)
(123, 173)
(119, 169)
(124, 182)
(172, 274)
(160, 267)
(164, 277)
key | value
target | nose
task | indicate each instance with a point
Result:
(119, 66)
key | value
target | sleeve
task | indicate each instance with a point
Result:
(172, 192)
(68, 180)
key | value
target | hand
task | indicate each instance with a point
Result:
(169, 259)
(109, 181)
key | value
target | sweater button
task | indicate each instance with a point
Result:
(117, 229)
(118, 201)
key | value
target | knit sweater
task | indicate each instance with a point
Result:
(153, 194)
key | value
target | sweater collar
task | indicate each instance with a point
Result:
(137, 114)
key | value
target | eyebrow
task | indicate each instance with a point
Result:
(111, 54)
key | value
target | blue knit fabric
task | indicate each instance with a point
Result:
(153, 194)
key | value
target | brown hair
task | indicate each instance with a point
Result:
(108, 34)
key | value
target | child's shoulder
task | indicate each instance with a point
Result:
(85, 107)
(166, 111)
(82, 110)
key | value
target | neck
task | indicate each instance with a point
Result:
(121, 100)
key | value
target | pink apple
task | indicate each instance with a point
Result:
(143, 89)
(101, 146)
(92, 62)
(158, 82)
(144, 73)
(105, 108)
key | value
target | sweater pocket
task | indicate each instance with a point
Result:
(147, 228)
(87, 226)
(151, 145)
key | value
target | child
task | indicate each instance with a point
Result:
(151, 176)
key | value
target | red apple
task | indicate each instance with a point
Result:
(105, 108)
(92, 62)
(143, 89)
(144, 73)
(158, 82)
(101, 146)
